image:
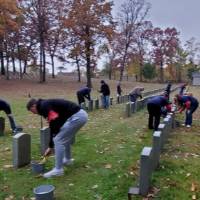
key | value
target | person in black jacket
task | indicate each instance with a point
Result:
(119, 91)
(82, 94)
(154, 107)
(105, 90)
(4, 106)
(65, 118)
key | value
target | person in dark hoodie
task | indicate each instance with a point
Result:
(82, 94)
(154, 107)
(5, 106)
(65, 118)
(105, 90)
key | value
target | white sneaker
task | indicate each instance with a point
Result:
(188, 126)
(54, 172)
(67, 162)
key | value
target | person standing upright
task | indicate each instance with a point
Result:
(119, 91)
(105, 90)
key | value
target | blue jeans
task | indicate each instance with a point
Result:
(106, 102)
(188, 114)
(63, 139)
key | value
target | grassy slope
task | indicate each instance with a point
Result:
(106, 156)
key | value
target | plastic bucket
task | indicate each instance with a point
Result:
(44, 192)
(37, 167)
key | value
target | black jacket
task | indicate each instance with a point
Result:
(63, 108)
(5, 107)
(105, 90)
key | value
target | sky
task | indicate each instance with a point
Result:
(184, 15)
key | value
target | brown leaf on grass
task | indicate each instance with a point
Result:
(108, 166)
(194, 197)
(11, 197)
(193, 187)
(8, 166)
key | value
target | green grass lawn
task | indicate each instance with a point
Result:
(106, 153)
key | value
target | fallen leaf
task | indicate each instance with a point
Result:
(194, 197)
(94, 186)
(193, 187)
(188, 174)
(8, 166)
(108, 166)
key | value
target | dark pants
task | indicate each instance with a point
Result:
(133, 97)
(80, 98)
(188, 113)
(154, 116)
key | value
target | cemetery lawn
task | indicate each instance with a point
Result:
(106, 152)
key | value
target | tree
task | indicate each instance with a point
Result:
(131, 17)
(149, 71)
(8, 14)
(165, 44)
(91, 22)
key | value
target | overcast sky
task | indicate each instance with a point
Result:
(184, 15)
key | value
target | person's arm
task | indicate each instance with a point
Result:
(53, 125)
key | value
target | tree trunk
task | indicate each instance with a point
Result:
(52, 65)
(44, 64)
(78, 69)
(88, 68)
(2, 58)
(13, 64)
(25, 66)
(7, 68)
(161, 73)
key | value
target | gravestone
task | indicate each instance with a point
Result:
(21, 149)
(156, 149)
(128, 109)
(111, 101)
(96, 102)
(145, 174)
(2, 126)
(44, 139)
(83, 105)
(145, 170)
(132, 107)
(90, 105)
(162, 129)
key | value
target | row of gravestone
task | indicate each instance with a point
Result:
(21, 147)
(150, 156)
(132, 107)
(96, 103)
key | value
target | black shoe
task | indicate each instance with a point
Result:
(17, 130)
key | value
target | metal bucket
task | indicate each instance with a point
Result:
(37, 168)
(44, 192)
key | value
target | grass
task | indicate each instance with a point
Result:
(107, 153)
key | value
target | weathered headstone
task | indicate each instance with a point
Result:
(156, 149)
(2, 126)
(83, 105)
(44, 139)
(128, 109)
(145, 170)
(96, 102)
(162, 129)
(21, 149)
(132, 107)
(111, 101)
(145, 174)
(90, 105)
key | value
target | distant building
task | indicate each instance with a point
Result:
(196, 78)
